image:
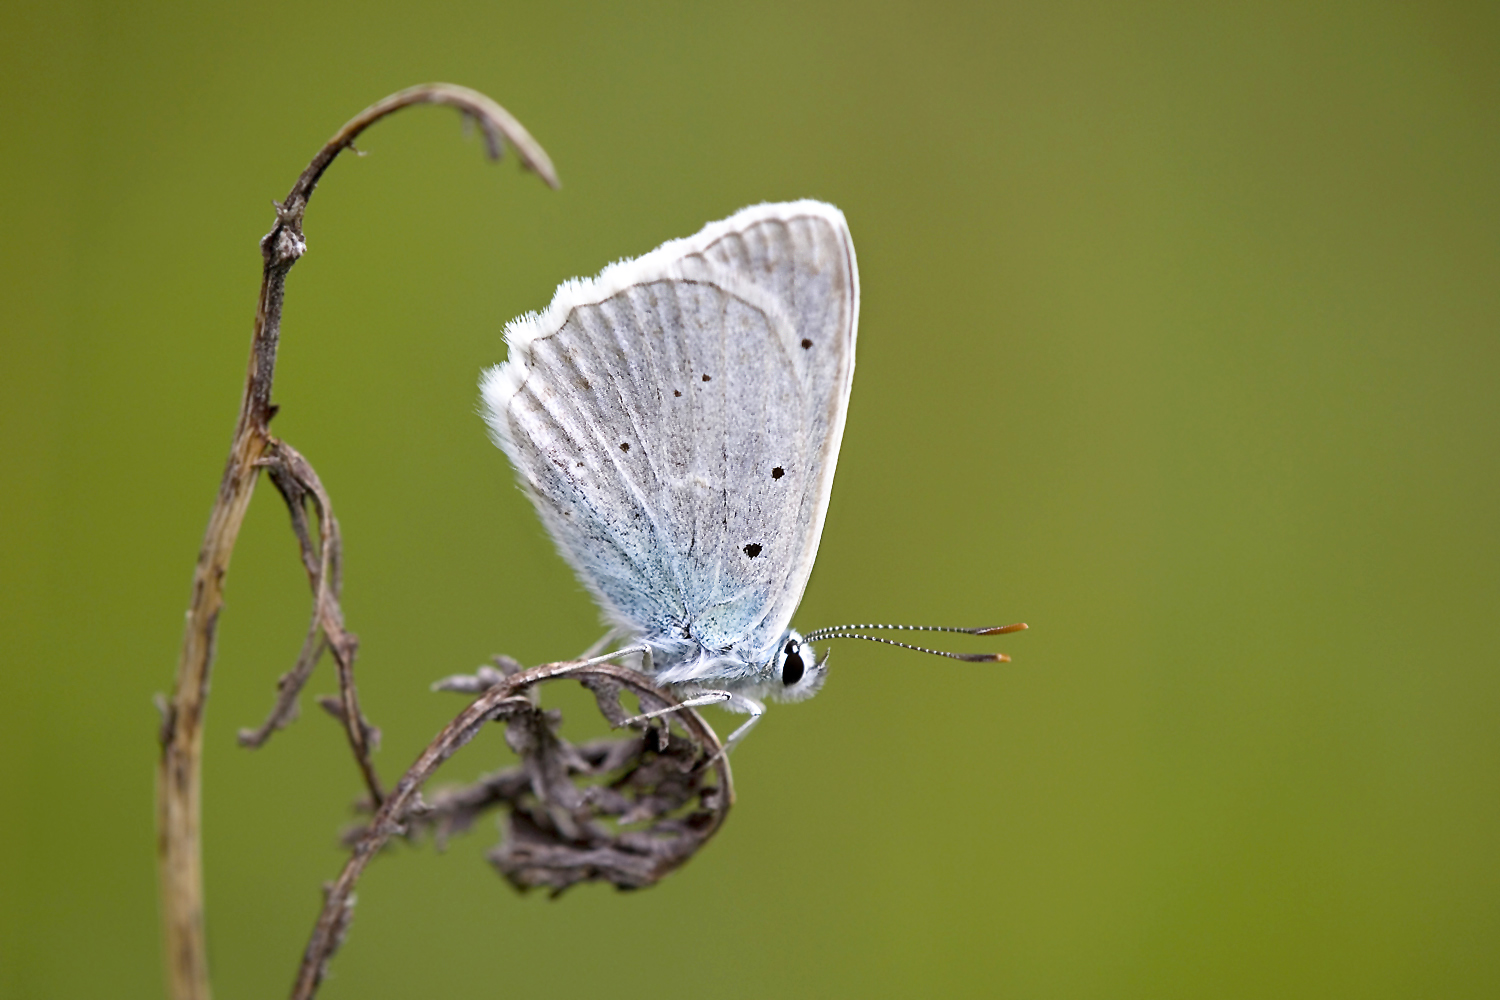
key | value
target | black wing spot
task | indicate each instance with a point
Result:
(676, 392)
(752, 550)
(624, 445)
(777, 472)
(806, 343)
(706, 378)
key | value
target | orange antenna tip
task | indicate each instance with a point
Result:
(1017, 627)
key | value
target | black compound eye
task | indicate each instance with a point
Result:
(792, 667)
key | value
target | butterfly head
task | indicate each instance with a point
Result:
(799, 673)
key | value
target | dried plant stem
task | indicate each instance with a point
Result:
(299, 485)
(503, 698)
(179, 769)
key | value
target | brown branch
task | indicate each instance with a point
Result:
(290, 684)
(178, 799)
(506, 698)
(299, 484)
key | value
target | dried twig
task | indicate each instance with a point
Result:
(179, 770)
(299, 485)
(559, 833)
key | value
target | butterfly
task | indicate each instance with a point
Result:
(677, 421)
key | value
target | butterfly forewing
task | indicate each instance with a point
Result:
(677, 422)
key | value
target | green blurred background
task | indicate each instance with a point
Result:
(1179, 342)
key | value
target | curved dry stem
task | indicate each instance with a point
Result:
(178, 800)
(504, 698)
(495, 123)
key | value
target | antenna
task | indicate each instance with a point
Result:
(844, 632)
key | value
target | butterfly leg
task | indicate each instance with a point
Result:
(607, 657)
(729, 700)
(740, 703)
(697, 701)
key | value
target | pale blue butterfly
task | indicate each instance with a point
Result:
(676, 421)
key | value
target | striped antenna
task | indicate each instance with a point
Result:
(843, 632)
(828, 633)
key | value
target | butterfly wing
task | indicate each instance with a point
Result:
(677, 421)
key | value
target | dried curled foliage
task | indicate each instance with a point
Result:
(625, 811)
(618, 811)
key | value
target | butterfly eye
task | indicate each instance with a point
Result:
(791, 667)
